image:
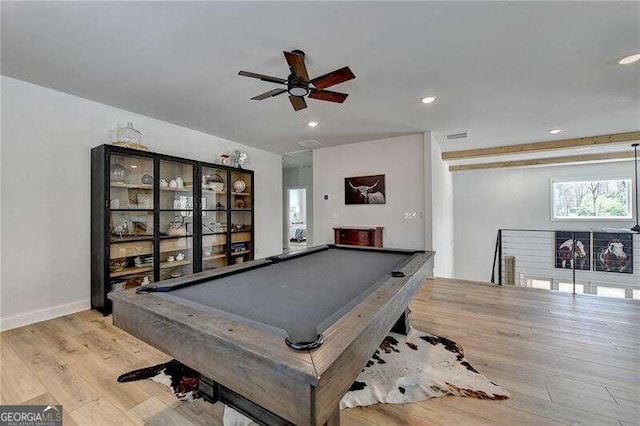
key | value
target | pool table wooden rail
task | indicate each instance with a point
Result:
(303, 387)
(350, 341)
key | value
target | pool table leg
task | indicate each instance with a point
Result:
(213, 392)
(403, 325)
(334, 418)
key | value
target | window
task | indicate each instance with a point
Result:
(536, 283)
(592, 199)
(611, 292)
(568, 288)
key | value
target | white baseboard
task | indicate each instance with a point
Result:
(32, 317)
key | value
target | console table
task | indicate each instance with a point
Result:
(359, 236)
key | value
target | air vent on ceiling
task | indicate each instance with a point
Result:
(310, 144)
(457, 135)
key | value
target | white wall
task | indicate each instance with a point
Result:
(401, 160)
(440, 190)
(487, 200)
(298, 177)
(46, 141)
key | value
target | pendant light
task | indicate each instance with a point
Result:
(636, 228)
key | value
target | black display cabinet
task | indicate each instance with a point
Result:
(156, 217)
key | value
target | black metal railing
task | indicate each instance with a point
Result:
(600, 262)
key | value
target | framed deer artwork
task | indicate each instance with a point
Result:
(365, 190)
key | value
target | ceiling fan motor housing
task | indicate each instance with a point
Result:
(296, 87)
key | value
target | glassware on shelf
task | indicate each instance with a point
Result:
(118, 173)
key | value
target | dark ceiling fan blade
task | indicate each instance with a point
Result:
(269, 94)
(298, 102)
(263, 77)
(333, 78)
(327, 95)
(296, 63)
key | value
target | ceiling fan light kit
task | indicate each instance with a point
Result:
(299, 84)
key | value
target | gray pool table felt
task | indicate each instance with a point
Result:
(298, 298)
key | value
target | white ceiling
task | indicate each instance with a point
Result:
(506, 72)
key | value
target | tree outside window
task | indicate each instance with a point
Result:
(593, 199)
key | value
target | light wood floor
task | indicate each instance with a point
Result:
(564, 359)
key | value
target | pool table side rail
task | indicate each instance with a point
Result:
(350, 342)
(252, 362)
(200, 277)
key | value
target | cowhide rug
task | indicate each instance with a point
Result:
(404, 369)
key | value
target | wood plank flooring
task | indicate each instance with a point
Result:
(565, 359)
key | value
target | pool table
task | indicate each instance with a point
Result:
(281, 338)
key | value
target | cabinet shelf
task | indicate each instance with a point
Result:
(242, 194)
(238, 253)
(115, 239)
(215, 256)
(213, 191)
(175, 263)
(131, 271)
(186, 188)
(130, 185)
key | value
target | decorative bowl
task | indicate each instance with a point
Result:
(239, 186)
(216, 186)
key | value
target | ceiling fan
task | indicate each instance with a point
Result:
(298, 82)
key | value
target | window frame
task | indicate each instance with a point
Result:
(632, 201)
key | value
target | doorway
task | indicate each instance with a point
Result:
(297, 200)
(297, 210)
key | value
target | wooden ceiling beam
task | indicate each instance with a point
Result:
(542, 146)
(544, 161)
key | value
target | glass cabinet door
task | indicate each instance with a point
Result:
(176, 219)
(241, 247)
(131, 220)
(214, 218)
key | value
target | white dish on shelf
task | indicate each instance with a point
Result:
(239, 186)
(216, 186)
(118, 286)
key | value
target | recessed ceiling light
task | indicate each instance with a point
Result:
(133, 166)
(312, 124)
(428, 99)
(629, 59)
(555, 131)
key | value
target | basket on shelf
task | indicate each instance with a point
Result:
(117, 265)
